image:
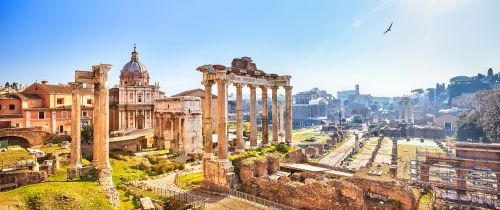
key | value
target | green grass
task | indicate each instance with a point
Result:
(10, 157)
(56, 195)
(126, 170)
(301, 137)
(55, 148)
(126, 202)
(190, 181)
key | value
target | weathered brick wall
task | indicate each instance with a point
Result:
(312, 194)
(391, 190)
(297, 156)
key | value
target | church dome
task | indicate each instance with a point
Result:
(134, 73)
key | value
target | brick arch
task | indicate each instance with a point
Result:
(35, 136)
(18, 140)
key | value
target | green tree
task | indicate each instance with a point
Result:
(468, 127)
(87, 133)
(483, 122)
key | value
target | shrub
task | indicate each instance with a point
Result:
(283, 148)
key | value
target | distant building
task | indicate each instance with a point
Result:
(44, 105)
(446, 121)
(131, 103)
(313, 106)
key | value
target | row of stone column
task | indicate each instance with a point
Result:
(222, 85)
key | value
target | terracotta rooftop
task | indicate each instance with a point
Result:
(194, 92)
(55, 89)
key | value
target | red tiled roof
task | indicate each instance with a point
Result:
(57, 89)
(194, 92)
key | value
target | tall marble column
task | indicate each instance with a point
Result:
(76, 158)
(265, 130)
(240, 144)
(101, 72)
(274, 98)
(288, 113)
(253, 116)
(161, 127)
(207, 125)
(222, 141)
(96, 121)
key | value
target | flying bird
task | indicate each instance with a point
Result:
(388, 29)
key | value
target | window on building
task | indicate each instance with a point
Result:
(140, 98)
(12, 107)
(89, 101)
(84, 114)
(41, 115)
(131, 96)
(60, 101)
(448, 126)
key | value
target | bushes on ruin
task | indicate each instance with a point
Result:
(161, 166)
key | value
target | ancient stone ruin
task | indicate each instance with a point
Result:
(243, 72)
(100, 161)
(177, 124)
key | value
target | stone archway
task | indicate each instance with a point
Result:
(17, 140)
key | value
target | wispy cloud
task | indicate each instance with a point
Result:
(360, 20)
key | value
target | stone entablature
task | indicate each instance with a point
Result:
(178, 124)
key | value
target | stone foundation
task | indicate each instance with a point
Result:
(218, 173)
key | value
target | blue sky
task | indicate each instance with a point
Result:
(327, 44)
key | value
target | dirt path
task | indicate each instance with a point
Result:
(335, 157)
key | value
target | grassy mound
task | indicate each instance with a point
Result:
(56, 195)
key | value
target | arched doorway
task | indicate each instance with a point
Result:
(61, 129)
(140, 121)
(16, 140)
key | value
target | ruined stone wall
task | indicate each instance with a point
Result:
(312, 194)
(305, 191)
(297, 156)
(391, 190)
(21, 178)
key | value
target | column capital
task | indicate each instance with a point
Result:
(76, 86)
(274, 87)
(252, 86)
(207, 82)
(239, 85)
(288, 87)
(222, 80)
(264, 87)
